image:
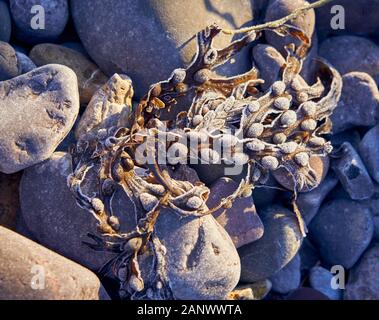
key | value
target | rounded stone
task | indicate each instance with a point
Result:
(204, 264)
(55, 18)
(342, 230)
(269, 62)
(321, 279)
(255, 130)
(22, 260)
(24, 63)
(282, 103)
(6, 24)
(270, 162)
(53, 217)
(90, 77)
(279, 244)
(8, 62)
(280, 8)
(363, 282)
(369, 151)
(288, 278)
(351, 53)
(241, 221)
(37, 111)
(159, 33)
(358, 105)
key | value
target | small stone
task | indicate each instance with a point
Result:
(108, 105)
(363, 282)
(279, 244)
(253, 106)
(56, 221)
(254, 291)
(8, 62)
(321, 280)
(288, 278)
(241, 221)
(320, 166)
(37, 111)
(9, 199)
(6, 24)
(90, 77)
(23, 259)
(359, 103)
(369, 151)
(352, 173)
(197, 120)
(55, 14)
(309, 202)
(351, 53)
(342, 230)
(269, 62)
(256, 145)
(201, 260)
(281, 8)
(24, 63)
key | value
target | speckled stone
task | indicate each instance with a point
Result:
(369, 151)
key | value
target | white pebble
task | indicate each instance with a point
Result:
(252, 107)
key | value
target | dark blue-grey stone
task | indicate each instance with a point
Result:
(147, 39)
(5, 25)
(321, 280)
(342, 230)
(352, 173)
(288, 278)
(369, 151)
(56, 17)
